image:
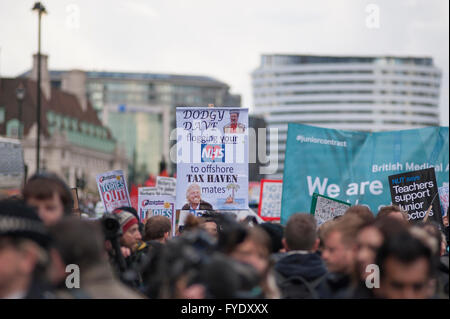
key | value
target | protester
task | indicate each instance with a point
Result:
(254, 250)
(301, 271)
(81, 243)
(361, 211)
(433, 237)
(157, 228)
(50, 196)
(24, 257)
(276, 233)
(339, 256)
(393, 211)
(406, 268)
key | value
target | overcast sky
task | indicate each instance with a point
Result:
(219, 38)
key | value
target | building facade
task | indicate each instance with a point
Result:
(74, 143)
(350, 93)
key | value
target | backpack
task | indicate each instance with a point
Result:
(297, 287)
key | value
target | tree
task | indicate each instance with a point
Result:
(233, 187)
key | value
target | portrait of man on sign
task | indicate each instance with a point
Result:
(193, 196)
(234, 126)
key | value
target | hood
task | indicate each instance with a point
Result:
(309, 266)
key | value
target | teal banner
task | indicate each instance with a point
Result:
(354, 166)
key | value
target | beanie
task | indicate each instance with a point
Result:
(126, 219)
(18, 220)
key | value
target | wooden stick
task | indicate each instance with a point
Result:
(428, 213)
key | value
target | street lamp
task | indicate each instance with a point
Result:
(39, 7)
(20, 96)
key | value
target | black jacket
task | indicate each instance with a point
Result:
(336, 286)
(308, 266)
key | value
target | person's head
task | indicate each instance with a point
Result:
(157, 228)
(253, 250)
(339, 244)
(210, 226)
(368, 239)
(362, 212)
(432, 229)
(135, 213)
(276, 233)
(49, 195)
(301, 233)
(393, 211)
(194, 194)
(234, 117)
(130, 229)
(78, 242)
(24, 245)
(406, 268)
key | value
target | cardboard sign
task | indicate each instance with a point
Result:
(113, 190)
(443, 197)
(325, 208)
(166, 185)
(270, 199)
(212, 158)
(414, 192)
(157, 205)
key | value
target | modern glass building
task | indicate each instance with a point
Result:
(350, 93)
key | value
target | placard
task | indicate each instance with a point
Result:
(325, 208)
(113, 190)
(414, 192)
(212, 158)
(270, 199)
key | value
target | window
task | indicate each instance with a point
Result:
(2, 115)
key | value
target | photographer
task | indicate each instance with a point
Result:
(124, 245)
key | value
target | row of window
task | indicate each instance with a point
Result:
(383, 92)
(386, 82)
(384, 72)
(60, 121)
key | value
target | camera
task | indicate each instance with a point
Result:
(111, 226)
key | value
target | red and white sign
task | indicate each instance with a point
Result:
(113, 190)
(270, 199)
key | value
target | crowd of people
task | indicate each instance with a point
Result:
(359, 255)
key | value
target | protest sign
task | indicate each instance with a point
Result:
(166, 185)
(254, 192)
(443, 197)
(113, 190)
(354, 166)
(414, 192)
(212, 158)
(270, 199)
(156, 205)
(325, 208)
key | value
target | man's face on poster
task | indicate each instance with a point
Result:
(194, 195)
(234, 118)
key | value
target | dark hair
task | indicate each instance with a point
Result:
(361, 211)
(405, 248)
(156, 227)
(275, 232)
(78, 241)
(301, 232)
(44, 185)
(387, 210)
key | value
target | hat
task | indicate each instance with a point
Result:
(18, 220)
(126, 219)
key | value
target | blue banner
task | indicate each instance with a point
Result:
(354, 166)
